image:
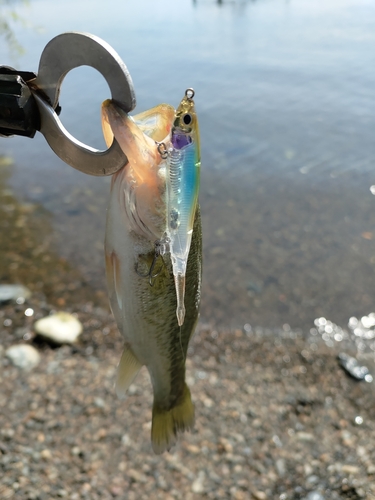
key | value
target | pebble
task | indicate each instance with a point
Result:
(60, 328)
(198, 486)
(193, 448)
(305, 436)
(23, 356)
(314, 495)
(352, 367)
(313, 479)
(46, 455)
(259, 495)
(281, 467)
(136, 476)
(350, 469)
(18, 293)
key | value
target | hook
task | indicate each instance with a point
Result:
(150, 273)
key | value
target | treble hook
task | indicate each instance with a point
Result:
(150, 273)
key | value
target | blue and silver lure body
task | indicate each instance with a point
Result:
(183, 179)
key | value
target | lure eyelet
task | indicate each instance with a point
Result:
(189, 93)
(162, 150)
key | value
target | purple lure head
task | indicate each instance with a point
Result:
(179, 141)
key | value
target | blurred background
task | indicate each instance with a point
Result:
(285, 96)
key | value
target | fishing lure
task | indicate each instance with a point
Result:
(182, 186)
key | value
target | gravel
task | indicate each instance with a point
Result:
(276, 418)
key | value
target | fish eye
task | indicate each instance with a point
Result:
(187, 119)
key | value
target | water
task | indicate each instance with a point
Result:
(285, 95)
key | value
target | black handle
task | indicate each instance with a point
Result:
(19, 114)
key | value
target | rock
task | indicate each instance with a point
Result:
(314, 495)
(305, 436)
(23, 356)
(136, 476)
(280, 467)
(259, 495)
(352, 367)
(198, 486)
(46, 455)
(350, 469)
(18, 293)
(313, 479)
(192, 448)
(59, 328)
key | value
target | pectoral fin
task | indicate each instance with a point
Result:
(126, 372)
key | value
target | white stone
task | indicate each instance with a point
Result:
(61, 328)
(23, 356)
(14, 292)
(198, 486)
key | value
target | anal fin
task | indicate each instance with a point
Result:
(127, 370)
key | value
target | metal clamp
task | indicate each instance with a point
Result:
(62, 54)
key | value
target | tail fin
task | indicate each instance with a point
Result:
(167, 423)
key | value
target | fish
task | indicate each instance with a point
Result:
(135, 249)
(183, 178)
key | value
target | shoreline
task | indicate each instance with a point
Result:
(276, 418)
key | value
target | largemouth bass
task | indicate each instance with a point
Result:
(145, 309)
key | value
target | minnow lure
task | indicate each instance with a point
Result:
(183, 177)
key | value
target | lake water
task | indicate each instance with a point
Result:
(286, 101)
